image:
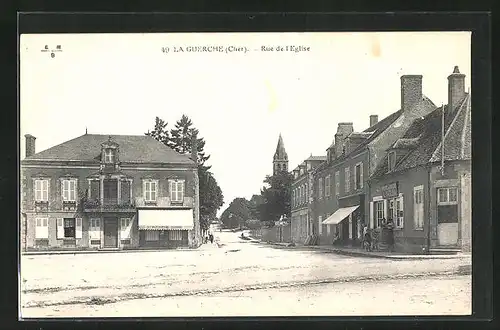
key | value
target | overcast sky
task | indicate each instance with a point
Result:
(240, 102)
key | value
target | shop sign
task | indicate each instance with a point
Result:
(390, 190)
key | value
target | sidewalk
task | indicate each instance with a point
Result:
(203, 247)
(358, 252)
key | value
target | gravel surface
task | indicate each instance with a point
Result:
(97, 279)
(431, 296)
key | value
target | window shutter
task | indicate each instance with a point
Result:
(385, 209)
(401, 208)
(78, 229)
(34, 190)
(126, 227)
(361, 175)
(48, 190)
(371, 215)
(60, 228)
(182, 190)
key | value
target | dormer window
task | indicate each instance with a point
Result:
(109, 156)
(391, 161)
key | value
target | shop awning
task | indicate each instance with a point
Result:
(339, 215)
(166, 219)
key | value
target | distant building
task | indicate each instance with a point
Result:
(280, 159)
(430, 205)
(302, 198)
(108, 192)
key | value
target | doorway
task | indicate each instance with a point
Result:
(447, 211)
(111, 232)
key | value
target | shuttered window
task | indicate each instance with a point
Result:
(94, 189)
(175, 235)
(41, 190)
(42, 228)
(176, 190)
(95, 229)
(150, 190)
(69, 190)
(152, 235)
(125, 191)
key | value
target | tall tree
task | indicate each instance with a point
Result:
(182, 137)
(276, 197)
(211, 198)
(160, 133)
(255, 205)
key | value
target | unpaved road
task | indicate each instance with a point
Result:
(52, 283)
(433, 296)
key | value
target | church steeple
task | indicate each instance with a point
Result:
(280, 159)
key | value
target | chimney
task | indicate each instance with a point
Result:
(194, 148)
(30, 145)
(456, 87)
(373, 120)
(411, 91)
(343, 130)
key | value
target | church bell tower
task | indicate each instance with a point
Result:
(280, 159)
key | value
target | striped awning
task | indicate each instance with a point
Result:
(175, 219)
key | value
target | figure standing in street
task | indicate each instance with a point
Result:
(390, 235)
(367, 240)
(211, 237)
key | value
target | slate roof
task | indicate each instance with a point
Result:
(280, 153)
(316, 158)
(425, 136)
(375, 131)
(133, 149)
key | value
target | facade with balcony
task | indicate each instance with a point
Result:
(108, 192)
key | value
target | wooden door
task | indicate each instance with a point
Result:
(110, 232)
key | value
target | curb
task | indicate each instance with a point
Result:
(37, 253)
(368, 255)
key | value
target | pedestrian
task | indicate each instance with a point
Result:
(367, 239)
(211, 238)
(390, 235)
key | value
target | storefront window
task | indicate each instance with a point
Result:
(379, 213)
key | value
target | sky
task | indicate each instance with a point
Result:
(239, 100)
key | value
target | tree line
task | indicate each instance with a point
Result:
(264, 209)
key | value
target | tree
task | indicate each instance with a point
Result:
(276, 197)
(236, 214)
(160, 133)
(255, 206)
(181, 139)
(211, 198)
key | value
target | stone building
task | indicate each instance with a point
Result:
(302, 198)
(340, 204)
(108, 192)
(428, 196)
